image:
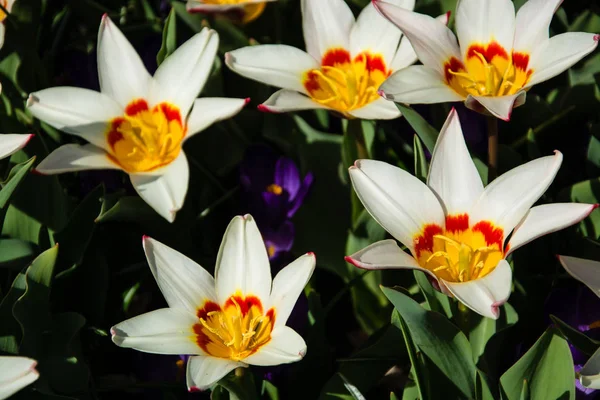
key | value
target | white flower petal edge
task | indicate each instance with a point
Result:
(500, 107)
(10, 143)
(397, 200)
(589, 375)
(278, 65)
(287, 286)
(585, 271)
(288, 100)
(15, 374)
(73, 157)
(209, 110)
(326, 25)
(121, 72)
(531, 25)
(182, 75)
(183, 283)
(487, 294)
(163, 331)
(452, 173)
(417, 84)
(378, 109)
(242, 263)
(286, 346)
(166, 188)
(545, 219)
(203, 372)
(383, 255)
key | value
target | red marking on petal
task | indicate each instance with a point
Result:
(424, 242)
(311, 83)
(352, 261)
(335, 56)
(454, 65)
(491, 233)
(245, 303)
(246, 100)
(271, 315)
(114, 135)
(136, 107)
(266, 109)
(597, 38)
(194, 389)
(521, 61)
(171, 112)
(457, 223)
(374, 62)
(489, 52)
(208, 306)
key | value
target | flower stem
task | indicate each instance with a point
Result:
(492, 148)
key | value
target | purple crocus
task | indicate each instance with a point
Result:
(580, 308)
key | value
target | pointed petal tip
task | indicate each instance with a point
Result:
(597, 38)
(496, 308)
(352, 261)
(194, 389)
(31, 100)
(229, 59)
(246, 101)
(448, 15)
(266, 109)
(36, 171)
(311, 254)
(385, 95)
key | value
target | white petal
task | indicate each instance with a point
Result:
(164, 331)
(433, 42)
(10, 143)
(418, 84)
(406, 56)
(288, 100)
(509, 197)
(286, 346)
(165, 193)
(452, 173)
(378, 109)
(487, 294)
(203, 372)
(277, 65)
(243, 262)
(72, 157)
(15, 374)
(374, 34)
(585, 271)
(589, 375)
(182, 75)
(121, 71)
(288, 284)
(480, 22)
(326, 25)
(533, 24)
(545, 219)
(559, 53)
(209, 110)
(2, 34)
(183, 283)
(500, 107)
(398, 201)
(385, 254)
(80, 112)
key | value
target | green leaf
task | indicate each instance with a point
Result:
(442, 342)
(482, 388)
(15, 252)
(436, 301)
(577, 338)
(427, 133)
(547, 368)
(482, 329)
(420, 160)
(16, 175)
(353, 390)
(194, 21)
(240, 384)
(128, 208)
(10, 330)
(418, 373)
(169, 38)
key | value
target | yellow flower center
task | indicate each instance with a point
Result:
(275, 189)
(3, 15)
(250, 11)
(145, 139)
(457, 252)
(489, 70)
(235, 331)
(345, 84)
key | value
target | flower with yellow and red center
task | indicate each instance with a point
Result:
(501, 55)
(138, 122)
(345, 62)
(234, 320)
(243, 11)
(454, 228)
(7, 5)
(15, 374)
(588, 273)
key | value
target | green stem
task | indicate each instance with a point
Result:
(492, 148)
(463, 318)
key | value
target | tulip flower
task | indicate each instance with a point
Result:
(244, 11)
(15, 374)
(8, 5)
(345, 62)
(498, 57)
(10, 143)
(588, 273)
(137, 123)
(233, 320)
(454, 228)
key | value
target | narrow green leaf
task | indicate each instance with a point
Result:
(16, 175)
(169, 38)
(353, 390)
(577, 338)
(547, 368)
(417, 367)
(482, 387)
(436, 301)
(10, 330)
(427, 133)
(420, 160)
(15, 252)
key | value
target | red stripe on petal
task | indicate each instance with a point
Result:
(493, 235)
(335, 56)
(457, 223)
(136, 107)
(488, 52)
(424, 241)
(521, 61)
(454, 65)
